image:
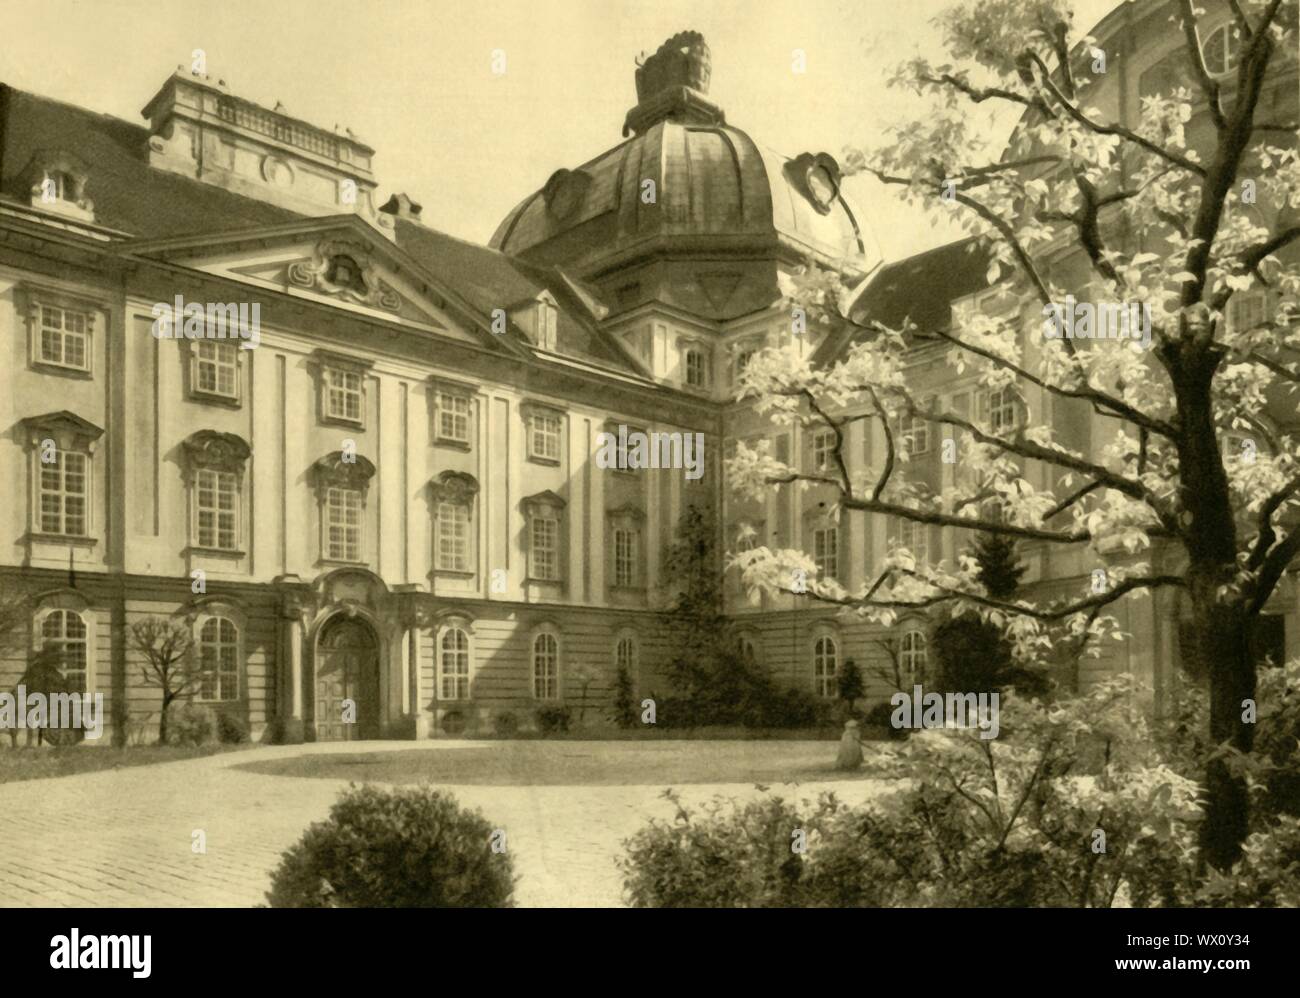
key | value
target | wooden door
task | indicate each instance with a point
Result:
(347, 668)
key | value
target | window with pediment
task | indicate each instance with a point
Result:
(216, 463)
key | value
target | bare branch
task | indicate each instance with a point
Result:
(1209, 86)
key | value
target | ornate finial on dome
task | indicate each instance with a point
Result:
(673, 84)
(682, 61)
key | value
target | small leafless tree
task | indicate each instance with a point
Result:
(169, 662)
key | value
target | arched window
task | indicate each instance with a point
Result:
(218, 654)
(625, 654)
(64, 632)
(59, 186)
(453, 665)
(914, 654)
(825, 666)
(546, 667)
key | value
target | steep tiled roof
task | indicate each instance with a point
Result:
(490, 279)
(922, 288)
(919, 289)
(131, 196)
(128, 194)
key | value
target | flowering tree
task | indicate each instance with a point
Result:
(1175, 213)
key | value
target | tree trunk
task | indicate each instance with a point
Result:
(1222, 630)
(162, 721)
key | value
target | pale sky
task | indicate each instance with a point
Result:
(413, 78)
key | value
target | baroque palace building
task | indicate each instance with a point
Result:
(393, 497)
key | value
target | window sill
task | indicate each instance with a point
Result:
(553, 462)
(544, 582)
(454, 573)
(342, 563)
(206, 552)
(75, 540)
(452, 442)
(354, 424)
(215, 398)
(48, 367)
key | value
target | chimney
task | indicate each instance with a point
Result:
(401, 206)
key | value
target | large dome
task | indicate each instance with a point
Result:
(686, 182)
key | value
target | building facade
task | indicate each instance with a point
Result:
(381, 485)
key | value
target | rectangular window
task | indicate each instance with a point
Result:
(826, 552)
(343, 394)
(453, 417)
(216, 368)
(453, 537)
(916, 538)
(343, 524)
(217, 508)
(697, 373)
(625, 545)
(64, 489)
(823, 449)
(1246, 310)
(65, 338)
(544, 436)
(1001, 410)
(545, 561)
(915, 432)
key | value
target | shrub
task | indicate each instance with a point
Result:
(506, 723)
(231, 730)
(553, 718)
(625, 712)
(137, 728)
(849, 685)
(733, 691)
(409, 847)
(979, 823)
(190, 724)
(880, 716)
(766, 853)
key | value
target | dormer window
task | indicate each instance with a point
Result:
(58, 186)
(58, 183)
(539, 319)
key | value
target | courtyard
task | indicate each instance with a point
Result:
(127, 837)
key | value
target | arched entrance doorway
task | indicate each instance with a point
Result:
(347, 668)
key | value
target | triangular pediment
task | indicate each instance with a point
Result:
(338, 261)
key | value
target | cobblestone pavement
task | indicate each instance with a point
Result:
(123, 837)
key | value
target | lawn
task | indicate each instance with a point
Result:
(575, 763)
(40, 762)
